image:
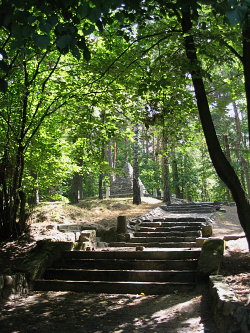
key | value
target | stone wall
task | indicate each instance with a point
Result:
(32, 267)
(230, 315)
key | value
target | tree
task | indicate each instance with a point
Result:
(136, 185)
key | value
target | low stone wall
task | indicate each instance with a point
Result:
(19, 281)
(230, 315)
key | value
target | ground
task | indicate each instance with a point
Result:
(101, 313)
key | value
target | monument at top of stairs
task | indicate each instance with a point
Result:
(122, 185)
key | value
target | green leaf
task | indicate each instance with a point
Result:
(63, 41)
(3, 85)
(42, 41)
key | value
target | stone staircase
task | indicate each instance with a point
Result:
(160, 256)
(191, 208)
(168, 232)
(122, 272)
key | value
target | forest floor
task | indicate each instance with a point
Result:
(101, 313)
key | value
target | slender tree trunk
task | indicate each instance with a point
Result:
(136, 185)
(100, 187)
(219, 160)
(165, 170)
(243, 163)
(227, 148)
(246, 67)
(175, 172)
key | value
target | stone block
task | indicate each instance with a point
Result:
(121, 225)
(88, 235)
(211, 256)
(207, 231)
(231, 316)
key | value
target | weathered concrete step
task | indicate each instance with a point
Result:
(185, 264)
(155, 245)
(120, 275)
(170, 254)
(170, 229)
(161, 239)
(172, 224)
(111, 287)
(177, 219)
(167, 234)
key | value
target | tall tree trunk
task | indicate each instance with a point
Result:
(100, 187)
(175, 172)
(244, 164)
(136, 185)
(227, 148)
(76, 188)
(246, 67)
(219, 160)
(165, 170)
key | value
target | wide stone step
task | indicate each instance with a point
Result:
(191, 211)
(167, 234)
(155, 244)
(170, 254)
(170, 229)
(191, 205)
(112, 287)
(161, 239)
(177, 219)
(185, 264)
(172, 224)
(120, 275)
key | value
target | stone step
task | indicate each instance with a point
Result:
(155, 244)
(185, 264)
(170, 254)
(111, 287)
(172, 224)
(167, 234)
(173, 239)
(192, 205)
(120, 275)
(176, 219)
(191, 211)
(170, 229)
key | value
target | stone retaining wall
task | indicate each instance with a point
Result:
(19, 281)
(231, 316)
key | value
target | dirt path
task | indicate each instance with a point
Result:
(102, 313)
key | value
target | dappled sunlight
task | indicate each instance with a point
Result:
(81, 312)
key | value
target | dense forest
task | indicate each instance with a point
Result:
(89, 85)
